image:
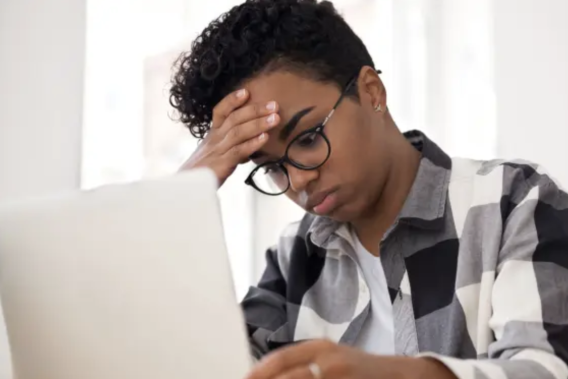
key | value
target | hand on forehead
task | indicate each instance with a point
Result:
(301, 101)
(292, 92)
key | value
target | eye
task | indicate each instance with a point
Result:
(270, 168)
(308, 140)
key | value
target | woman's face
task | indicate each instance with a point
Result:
(351, 180)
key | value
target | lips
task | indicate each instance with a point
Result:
(322, 202)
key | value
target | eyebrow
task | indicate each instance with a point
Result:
(287, 130)
(292, 123)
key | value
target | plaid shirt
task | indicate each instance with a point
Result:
(476, 264)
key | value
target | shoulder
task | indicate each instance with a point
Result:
(520, 177)
(508, 174)
(508, 182)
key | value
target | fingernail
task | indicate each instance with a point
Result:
(271, 106)
(262, 136)
(271, 119)
(241, 93)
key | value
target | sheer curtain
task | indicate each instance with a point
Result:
(436, 56)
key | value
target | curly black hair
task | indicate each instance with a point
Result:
(306, 37)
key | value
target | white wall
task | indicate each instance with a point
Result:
(531, 73)
(42, 48)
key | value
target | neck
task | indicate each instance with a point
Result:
(400, 177)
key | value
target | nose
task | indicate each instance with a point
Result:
(299, 179)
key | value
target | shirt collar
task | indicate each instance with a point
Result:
(425, 206)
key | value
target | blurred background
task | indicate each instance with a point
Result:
(84, 94)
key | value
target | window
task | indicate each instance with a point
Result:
(436, 58)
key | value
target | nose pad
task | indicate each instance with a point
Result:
(299, 179)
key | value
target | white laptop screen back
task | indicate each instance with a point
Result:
(124, 282)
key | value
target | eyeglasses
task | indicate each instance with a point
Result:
(309, 150)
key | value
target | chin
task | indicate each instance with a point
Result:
(342, 214)
(344, 210)
(350, 211)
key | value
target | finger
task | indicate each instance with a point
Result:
(242, 152)
(248, 113)
(335, 365)
(331, 364)
(302, 372)
(226, 106)
(291, 357)
(251, 129)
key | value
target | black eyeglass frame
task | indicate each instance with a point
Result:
(318, 129)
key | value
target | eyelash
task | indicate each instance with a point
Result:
(312, 128)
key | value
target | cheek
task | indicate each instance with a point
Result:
(347, 140)
(346, 157)
(292, 196)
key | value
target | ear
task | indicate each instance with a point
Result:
(372, 91)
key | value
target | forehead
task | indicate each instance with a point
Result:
(292, 92)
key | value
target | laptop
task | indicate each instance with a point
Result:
(122, 282)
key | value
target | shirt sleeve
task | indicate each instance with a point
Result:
(529, 298)
(264, 306)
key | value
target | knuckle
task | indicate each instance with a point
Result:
(292, 375)
(254, 142)
(235, 133)
(222, 109)
(210, 142)
(325, 344)
(217, 120)
(235, 152)
(259, 124)
(230, 119)
(340, 365)
(216, 110)
(280, 362)
(214, 149)
(256, 110)
(231, 103)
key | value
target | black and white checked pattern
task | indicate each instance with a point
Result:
(476, 264)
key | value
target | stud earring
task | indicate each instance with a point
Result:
(378, 108)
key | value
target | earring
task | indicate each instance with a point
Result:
(378, 108)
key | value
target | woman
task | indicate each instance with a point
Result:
(408, 263)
